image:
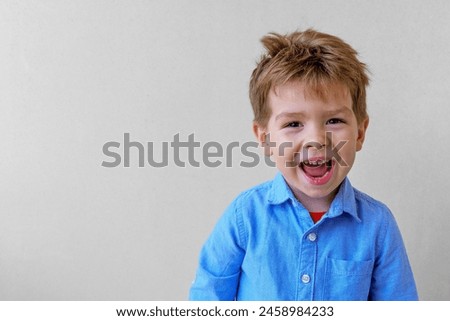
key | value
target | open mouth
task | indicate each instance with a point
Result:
(317, 171)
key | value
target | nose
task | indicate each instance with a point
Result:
(315, 137)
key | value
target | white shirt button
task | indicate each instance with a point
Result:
(306, 278)
(312, 237)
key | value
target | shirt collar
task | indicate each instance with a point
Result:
(280, 191)
(344, 201)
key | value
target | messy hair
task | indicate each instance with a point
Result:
(313, 58)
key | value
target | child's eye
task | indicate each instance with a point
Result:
(334, 121)
(293, 124)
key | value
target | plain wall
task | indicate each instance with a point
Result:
(75, 75)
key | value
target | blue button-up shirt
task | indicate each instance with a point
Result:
(266, 247)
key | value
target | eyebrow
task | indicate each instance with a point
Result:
(289, 115)
(342, 109)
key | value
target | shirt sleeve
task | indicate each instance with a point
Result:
(217, 276)
(392, 278)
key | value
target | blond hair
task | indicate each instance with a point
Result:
(317, 60)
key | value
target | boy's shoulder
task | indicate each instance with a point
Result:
(368, 205)
(367, 199)
(259, 192)
(262, 195)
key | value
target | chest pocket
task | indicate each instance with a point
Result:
(347, 280)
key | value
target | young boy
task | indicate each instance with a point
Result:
(308, 234)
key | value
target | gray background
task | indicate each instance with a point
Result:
(77, 74)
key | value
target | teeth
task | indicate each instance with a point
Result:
(314, 162)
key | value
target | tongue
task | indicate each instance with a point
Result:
(315, 171)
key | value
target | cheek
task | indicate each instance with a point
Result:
(284, 155)
(348, 152)
(280, 146)
(285, 150)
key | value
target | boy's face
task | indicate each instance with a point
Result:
(313, 141)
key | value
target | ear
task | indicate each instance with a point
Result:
(261, 136)
(362, 127)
